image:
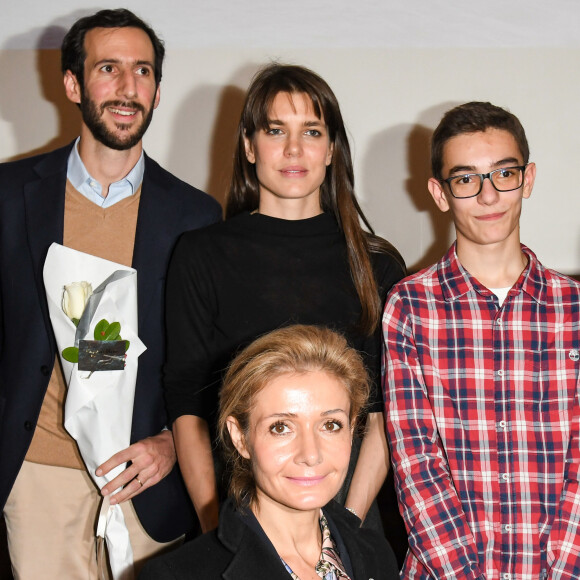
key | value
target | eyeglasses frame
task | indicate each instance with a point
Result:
(482, 177)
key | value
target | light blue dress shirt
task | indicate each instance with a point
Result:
(80, 179)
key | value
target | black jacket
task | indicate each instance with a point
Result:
(32, 194)
(236, 552)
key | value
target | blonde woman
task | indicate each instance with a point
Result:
(288, 410)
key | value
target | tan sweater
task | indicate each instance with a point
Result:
(83, 220)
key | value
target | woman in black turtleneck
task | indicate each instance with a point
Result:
(291, 250)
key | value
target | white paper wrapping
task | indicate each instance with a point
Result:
(99, 406)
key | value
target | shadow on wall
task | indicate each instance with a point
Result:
(396, 169)
(419, 165)
(189, 156)
(29, 101)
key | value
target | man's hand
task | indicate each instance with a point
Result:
(151, 460)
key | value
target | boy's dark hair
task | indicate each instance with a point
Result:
(472, 118)
(73, 46)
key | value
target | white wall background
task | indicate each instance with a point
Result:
(395, 67)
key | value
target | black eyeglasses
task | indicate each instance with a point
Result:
(471, 184)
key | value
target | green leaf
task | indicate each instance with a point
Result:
(71, 354)
(112, 332)
(100, 329)
(75, 321)
(127, 345)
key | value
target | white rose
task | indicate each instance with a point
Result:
(75, 298)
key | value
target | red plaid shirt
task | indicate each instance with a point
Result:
(484, 423)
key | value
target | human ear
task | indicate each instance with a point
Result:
(329, 154)
(157, 96)
(237, 436)
(529, 178)
(249, 147)
(437, 193)
(72, 87)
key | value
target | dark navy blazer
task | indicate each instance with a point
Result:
(235, 551)
(32, 193)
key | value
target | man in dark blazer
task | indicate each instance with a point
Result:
(112, 68)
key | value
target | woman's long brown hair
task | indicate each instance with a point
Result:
(336, 192)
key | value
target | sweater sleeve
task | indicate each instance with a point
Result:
(190, 311)
(387, 273)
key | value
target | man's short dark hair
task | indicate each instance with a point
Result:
(472, 118)
(73, 53)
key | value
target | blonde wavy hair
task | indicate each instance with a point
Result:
(293, 349)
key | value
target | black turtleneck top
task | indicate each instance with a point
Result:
(234, 281)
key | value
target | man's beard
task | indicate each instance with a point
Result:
(92, 117)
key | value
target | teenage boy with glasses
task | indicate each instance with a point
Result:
(481, 383)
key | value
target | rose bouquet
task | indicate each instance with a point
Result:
(99, 401)
(75, 297)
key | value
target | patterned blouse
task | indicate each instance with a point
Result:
(329, 566)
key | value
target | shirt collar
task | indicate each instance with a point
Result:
(456, 281)
(79, 177)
